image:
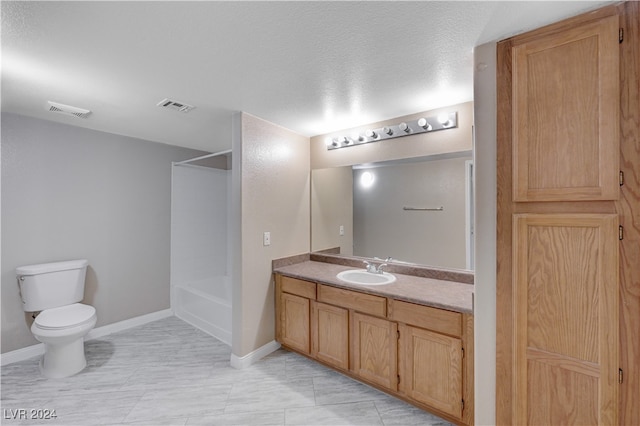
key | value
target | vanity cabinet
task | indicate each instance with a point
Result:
(412, 351)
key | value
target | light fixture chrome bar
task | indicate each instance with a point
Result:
(422, 125)
(424, 209)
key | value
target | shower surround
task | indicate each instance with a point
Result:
(200, 261)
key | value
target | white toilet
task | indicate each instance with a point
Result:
(55, 289)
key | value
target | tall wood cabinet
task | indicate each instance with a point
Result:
(560, 165)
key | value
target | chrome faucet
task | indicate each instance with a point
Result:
(373, 268)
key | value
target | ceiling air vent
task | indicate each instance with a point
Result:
(178, 106)
(67, 109)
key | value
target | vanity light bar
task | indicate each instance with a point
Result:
(423, 125)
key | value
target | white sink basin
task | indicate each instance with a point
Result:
(362, 277)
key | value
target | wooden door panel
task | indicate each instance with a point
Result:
(562, 289)
(432, 369)
(374, 349)
(566, 294)
(560, 396)
(548, 156)
(295, 322)
(331, 335)
(566, 114)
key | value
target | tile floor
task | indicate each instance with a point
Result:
(170, 373)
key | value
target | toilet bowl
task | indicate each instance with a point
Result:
(55, 290)
(62, 331)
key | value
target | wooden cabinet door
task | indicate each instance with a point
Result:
(566, 103)
(375, 349)
(294, 322)
(431, 369)
(330, 334)
(565, 272)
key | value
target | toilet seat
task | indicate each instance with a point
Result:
(65, 317)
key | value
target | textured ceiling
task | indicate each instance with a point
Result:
(313, 67)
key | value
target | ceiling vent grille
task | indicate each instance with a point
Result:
(175, 105)
(67, 109)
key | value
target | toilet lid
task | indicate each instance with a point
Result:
(65, 316)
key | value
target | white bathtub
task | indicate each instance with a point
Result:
(205, 304)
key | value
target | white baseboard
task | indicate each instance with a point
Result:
(21, 354)
(105, 330)
(241, 362)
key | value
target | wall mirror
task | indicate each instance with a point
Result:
(416, 210)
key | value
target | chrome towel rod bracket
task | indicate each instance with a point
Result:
(424, 209)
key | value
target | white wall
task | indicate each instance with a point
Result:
(70, 193)
(271, 193)
(485, 246)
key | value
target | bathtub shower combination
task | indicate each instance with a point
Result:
(200, 260)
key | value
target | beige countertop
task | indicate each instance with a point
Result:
(448, 295)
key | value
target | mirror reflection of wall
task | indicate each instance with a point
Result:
(332, 209)
(426, 235)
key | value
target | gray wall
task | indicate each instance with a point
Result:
(71, 193)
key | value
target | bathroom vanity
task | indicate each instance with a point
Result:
(412, 338)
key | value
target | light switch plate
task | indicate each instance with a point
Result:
(266, 239)
(341, 229)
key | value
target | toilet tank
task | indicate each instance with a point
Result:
(50, 285)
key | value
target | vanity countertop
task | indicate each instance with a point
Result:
(441, 294)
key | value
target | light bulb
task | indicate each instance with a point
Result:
(424, 124)
(367, 179)
(443, 119)
(371, 134)
(387, 130)
(404, 127)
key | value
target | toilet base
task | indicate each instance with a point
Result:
(63, 360)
